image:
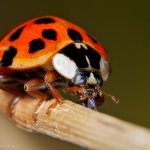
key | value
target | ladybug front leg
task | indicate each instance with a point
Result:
(32, 87)
(50, 77)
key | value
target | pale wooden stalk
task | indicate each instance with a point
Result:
(79, 125)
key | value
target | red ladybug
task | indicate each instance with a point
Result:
(46, 52)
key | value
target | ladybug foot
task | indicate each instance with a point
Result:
(11, 106)
(34, 116)
(40, 105)
(53, 106)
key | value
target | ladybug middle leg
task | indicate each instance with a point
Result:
(32, 88)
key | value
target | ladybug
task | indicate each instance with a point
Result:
(46, 52)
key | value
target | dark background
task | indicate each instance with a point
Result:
(123, 27)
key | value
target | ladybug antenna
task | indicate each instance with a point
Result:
(111, 96)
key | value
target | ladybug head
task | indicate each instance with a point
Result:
(83, 67)
(87, 77)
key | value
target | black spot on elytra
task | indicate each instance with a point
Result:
(35, 45)
(44, 21)
(79, 56)
(8, 56)
(75, 35)
(93, 39)
(16, 34)
(49, 34)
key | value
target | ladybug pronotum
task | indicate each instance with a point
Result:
(46, 52)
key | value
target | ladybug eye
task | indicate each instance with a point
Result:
(81, 78)
(98, 78)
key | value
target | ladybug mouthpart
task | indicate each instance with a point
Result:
(91, 97)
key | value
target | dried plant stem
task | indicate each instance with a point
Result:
(79, 125)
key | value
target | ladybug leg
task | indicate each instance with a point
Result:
(32, 87)
(74, 90)
(10, 84)
(14, 101)
(50, 77)
(16, 92)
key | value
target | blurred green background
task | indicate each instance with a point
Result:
(123, 27)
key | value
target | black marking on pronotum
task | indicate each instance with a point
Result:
(44, 20)
(93, 39)
(35, 45)
(94, 58)
(49, 34)
(16, 34)
(8, 56)
(79, 56)
(75, 35)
